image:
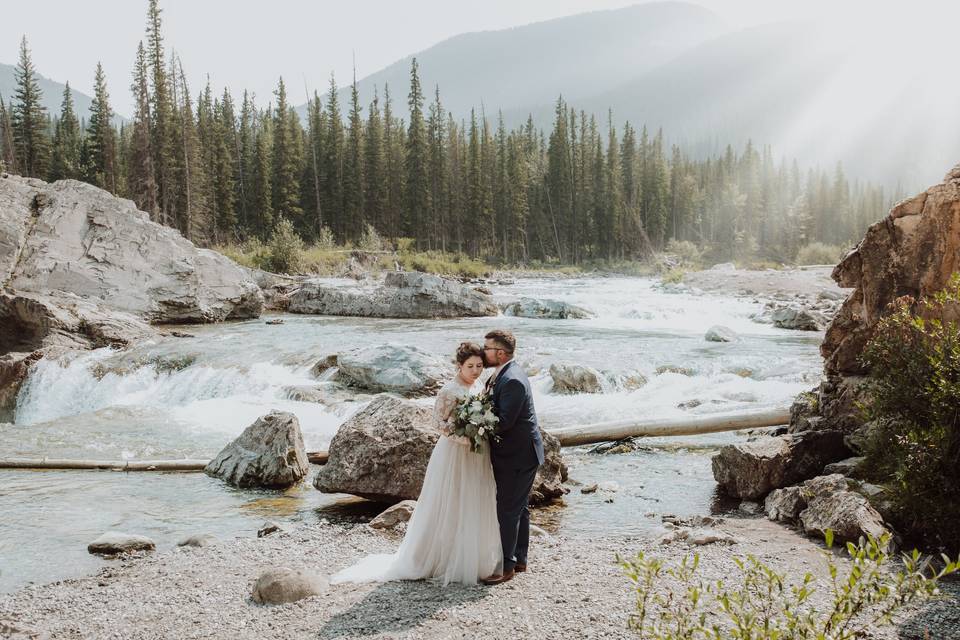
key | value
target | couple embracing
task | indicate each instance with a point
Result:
(471, 522)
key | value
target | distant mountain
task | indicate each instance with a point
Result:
(52, 93)
(578, 55)
(811, 95)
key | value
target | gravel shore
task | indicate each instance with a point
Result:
(792, 282)
(574, 589)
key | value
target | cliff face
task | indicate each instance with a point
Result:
(913, 251)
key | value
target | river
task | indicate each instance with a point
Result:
(188, 397)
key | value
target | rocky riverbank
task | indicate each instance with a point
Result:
(574, 589)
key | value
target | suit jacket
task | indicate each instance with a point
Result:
(520, 445)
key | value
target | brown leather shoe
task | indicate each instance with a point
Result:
(499, 578)
(520, 568)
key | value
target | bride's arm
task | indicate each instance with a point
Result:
(443, 409)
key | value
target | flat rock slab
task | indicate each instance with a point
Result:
(114, 542)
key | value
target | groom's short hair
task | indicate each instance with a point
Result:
(503, 338)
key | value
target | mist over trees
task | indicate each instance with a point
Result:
(224, 171)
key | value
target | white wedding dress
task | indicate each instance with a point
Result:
(453, 534)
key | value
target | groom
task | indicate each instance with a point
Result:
(517, 455)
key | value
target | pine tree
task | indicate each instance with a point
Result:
(287, 159)
(165, 140)
(245, 147)
(393, 139)
(8, 157)
(353, 180)
(437, 175)
(65, 154)
(313, 220)
(141, 174)
(29, 119)
(375, 174)
(103, 167)
(261, 200)
(332, 165)
(417, 192)
(193, 215)
(474, 204)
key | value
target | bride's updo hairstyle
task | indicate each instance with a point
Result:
(467, 350)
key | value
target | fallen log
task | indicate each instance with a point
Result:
(315, 457)
(686, 426)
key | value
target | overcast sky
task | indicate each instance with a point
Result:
(249, 44)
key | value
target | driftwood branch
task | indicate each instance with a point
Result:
(315, 457)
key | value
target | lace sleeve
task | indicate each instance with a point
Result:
(446, 402)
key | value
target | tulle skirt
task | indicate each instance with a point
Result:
(453, 534)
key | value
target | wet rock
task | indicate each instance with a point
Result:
(283, 585)
(545, 310)
(324, 365)
(114, 542)
(749, 508)
(402, 295)
(751, 470)
(575, 378)
(381, 453)
(798, 318)
(719, 333)
(80, 239)
(804, 412)
(669, 368)
(627, 445)
(627, 381)
(608, 486)
(590, 488)
(395, 515)
(392, 368)
(199, 540)
(14, 368)
(269, 453)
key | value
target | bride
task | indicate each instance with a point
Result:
(453, 534)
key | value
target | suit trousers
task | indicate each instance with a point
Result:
(513, 496)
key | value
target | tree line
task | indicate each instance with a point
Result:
(223, 172)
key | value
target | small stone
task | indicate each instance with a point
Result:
(282, 585)
(267, 528)
(590, 488)
(199, 540)
(394, 516)
(718, 333)
(749, 508)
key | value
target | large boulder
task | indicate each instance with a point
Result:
(381, 453)
(912, 252)
(750, 470)
(798, 318)
(402, 295)
(543, 309)
(392, 368)
(73, 237)
(269, 453)
(719, 333)
(846, 513)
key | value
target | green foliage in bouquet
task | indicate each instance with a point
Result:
(475, 420)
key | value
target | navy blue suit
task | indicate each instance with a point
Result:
(516, 458)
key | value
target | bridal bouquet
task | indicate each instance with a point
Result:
(474, 419)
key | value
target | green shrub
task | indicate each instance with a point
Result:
(325, 239)
(819, 253)
(370, 240)
(685, 250)
(914, 405)
(285, 249)
(673, 603)
(674, 276)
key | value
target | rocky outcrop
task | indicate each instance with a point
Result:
(543, 309)
(269, 453)
(392, 368)
(826, 502)
(750, 470)
(381, 453)
(35, 325)
(73, 237)
(912, 252)
(402, 295)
